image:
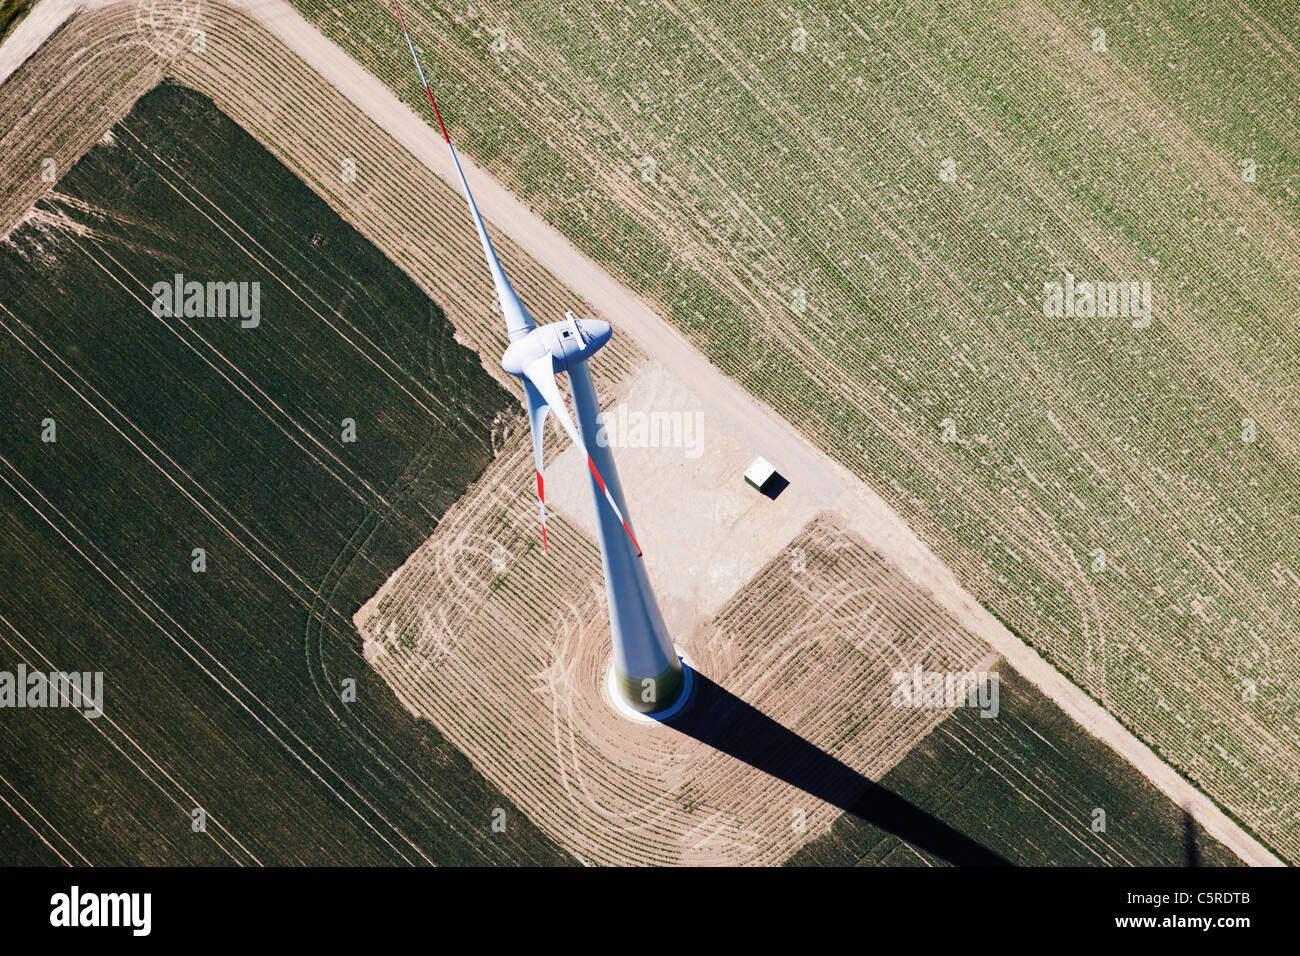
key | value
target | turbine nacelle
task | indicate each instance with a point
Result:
(535, 358)
(570, 340)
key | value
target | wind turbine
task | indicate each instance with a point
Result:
(647, 674)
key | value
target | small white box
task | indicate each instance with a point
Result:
(759, 473)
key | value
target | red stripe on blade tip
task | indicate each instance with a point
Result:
(633, 537)
(599, 480)
(428, 92)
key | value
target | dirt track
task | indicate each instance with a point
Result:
(44, 19)
(752, 424)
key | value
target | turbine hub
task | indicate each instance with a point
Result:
(573, 340)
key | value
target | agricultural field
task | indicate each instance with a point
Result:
(1027, 784)
(792, 750)
(224, 673)
(408, 773)
(856, 210)
(783, 721)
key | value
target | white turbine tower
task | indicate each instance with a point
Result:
(647, 674)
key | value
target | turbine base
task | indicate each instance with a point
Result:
(652, 698)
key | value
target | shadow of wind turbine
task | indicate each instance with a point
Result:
(722, 720)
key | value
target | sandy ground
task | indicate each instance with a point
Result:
(705, 532)
(747, 423)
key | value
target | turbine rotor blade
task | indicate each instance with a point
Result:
(540, 387)
(540, 373)
(537, 409)
(518, 322)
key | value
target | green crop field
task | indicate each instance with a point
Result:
(856, 209)
(225, 688)
(1027, 784)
